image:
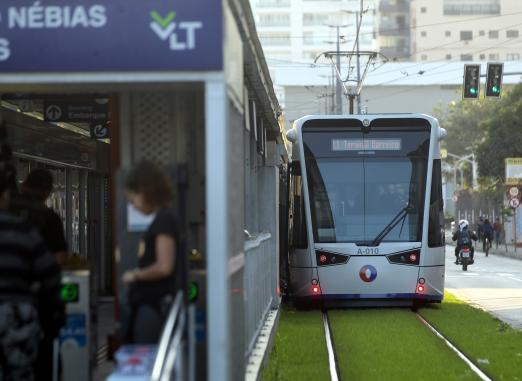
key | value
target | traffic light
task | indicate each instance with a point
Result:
(471, 81)
(494, 79)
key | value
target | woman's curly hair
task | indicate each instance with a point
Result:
(148, 179)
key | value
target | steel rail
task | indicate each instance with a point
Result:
(474, 368)
(334, 371)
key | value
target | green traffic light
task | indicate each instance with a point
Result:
(193, 291)
(495, 89)
(473, 91)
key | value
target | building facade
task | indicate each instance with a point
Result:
(299, 30)
(466, 30)
(393, 29)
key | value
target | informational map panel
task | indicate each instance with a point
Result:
(514, 170)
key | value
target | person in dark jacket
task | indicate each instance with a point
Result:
(30, 205)
(30, 279)
(487, 231)
(464, 236)
(161, 270)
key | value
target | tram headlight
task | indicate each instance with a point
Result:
(410, 257)
(326, 258)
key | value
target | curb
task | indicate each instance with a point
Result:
(263, 346)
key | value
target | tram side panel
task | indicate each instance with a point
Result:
(301, 267)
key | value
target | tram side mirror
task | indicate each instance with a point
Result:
(442, 133)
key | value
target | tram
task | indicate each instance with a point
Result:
(366, 220)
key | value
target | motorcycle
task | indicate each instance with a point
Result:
(465, 257)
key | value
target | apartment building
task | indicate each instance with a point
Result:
(393, 29)
(299, 30)
(466, 30)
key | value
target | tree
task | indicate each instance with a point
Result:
(462, 121)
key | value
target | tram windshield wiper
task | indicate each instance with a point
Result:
(401, 216)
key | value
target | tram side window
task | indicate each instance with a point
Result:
(299, 236)
(436, 222)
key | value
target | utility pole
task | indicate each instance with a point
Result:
(358, 26)
(338, 86)
(332, 92)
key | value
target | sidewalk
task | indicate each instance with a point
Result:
(503, 250)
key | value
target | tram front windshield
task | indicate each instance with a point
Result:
(359, 183)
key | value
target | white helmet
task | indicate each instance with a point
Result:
(463, 224)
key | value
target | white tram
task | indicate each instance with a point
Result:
(366, 210)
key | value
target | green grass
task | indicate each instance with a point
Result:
(491, 344)
(299, 351)
(392, 344)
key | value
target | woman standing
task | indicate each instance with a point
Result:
(154, 283)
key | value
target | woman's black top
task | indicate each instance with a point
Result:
(153, 292)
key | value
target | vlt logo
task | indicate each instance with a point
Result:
(181, 35)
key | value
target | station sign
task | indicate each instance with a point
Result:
(76, 110)
(100, 131)
(110, 35)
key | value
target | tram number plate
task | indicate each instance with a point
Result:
(368, 251)
(465, 254)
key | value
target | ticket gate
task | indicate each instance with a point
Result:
(75, 341)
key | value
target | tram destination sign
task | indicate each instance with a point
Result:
(366, 144)
(110, 35)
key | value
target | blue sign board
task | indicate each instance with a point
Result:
(110, 35)
(75, 329)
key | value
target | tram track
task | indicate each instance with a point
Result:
(332, 358)
(483, 376)
(335, 374)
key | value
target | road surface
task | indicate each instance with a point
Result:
(493, 283)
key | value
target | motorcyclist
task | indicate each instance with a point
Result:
(487, 230)
(464, 237)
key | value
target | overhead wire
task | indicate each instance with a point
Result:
(414, 26)
(446, 63)
(360, 14)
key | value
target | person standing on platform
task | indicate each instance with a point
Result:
(30, 205)
(29, 292)
(161, 269)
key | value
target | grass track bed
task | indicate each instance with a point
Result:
(299, 351)
(491, 344)
(392, 344)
